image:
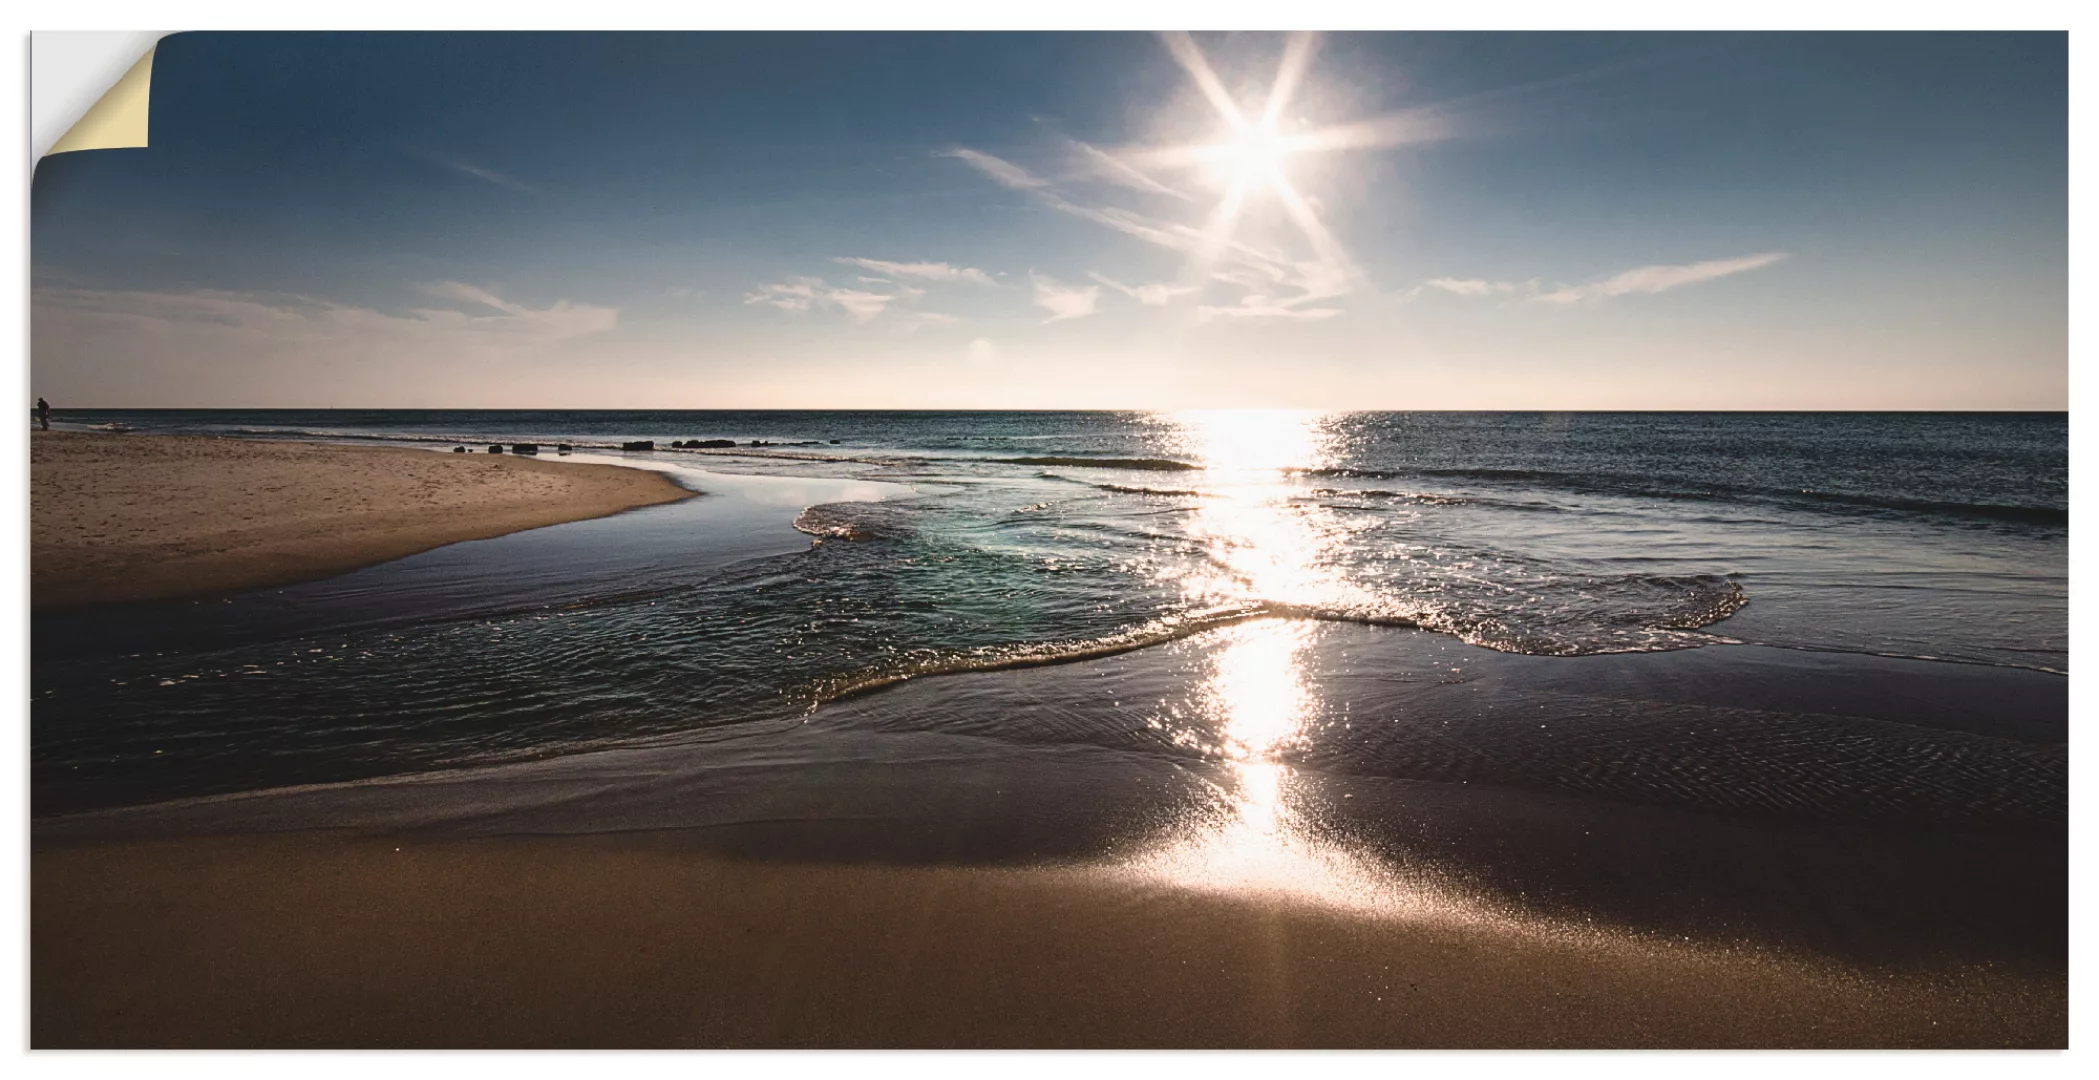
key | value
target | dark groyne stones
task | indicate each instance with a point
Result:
(639, 444)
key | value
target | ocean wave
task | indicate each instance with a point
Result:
(426, 439)
(1136, 464)
(853, 521)
(1424, 498)
(779, 455)
(2011, 512)
(1701, 601)
(1129, 489)
(1038, 654)
(1615, 484)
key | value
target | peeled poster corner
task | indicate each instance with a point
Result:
(71, 70)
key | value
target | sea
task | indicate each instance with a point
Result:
(835, 555)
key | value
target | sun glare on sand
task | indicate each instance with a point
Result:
(1253, 841)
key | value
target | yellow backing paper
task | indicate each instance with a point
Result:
(119, 119)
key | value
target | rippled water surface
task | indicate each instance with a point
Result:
(854, 550)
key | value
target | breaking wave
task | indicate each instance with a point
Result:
(1135, 464)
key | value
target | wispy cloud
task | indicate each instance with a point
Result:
(1239, 262)
(801, 294)
(476, 171)
(1257, 308)
(902, 291)
(1154, 294)
(1478, 286)
(1106, 166)
(928, 271)
(562, 319)
(913, 320)
(303, 316)
(1005, 172)
(1064, 301)
(211, 347)
(862, 306)
(883, 299)
(1654, 279)
(794, 294)
(1643, 279)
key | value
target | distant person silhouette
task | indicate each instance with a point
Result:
(43, 413)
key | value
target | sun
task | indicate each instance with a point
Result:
(1250, 158)
(1257, 153)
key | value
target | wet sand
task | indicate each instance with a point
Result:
(885, 874)
(324, 942)
(144, 517)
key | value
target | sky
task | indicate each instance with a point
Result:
(907, 220)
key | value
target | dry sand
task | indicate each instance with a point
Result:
(306, 941)
(141, 517)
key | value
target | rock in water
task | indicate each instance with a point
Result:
(495, 448)
(639, 444)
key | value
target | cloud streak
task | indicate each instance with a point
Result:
(1257, 308)
(802, 294)
(1064, 301)
(307, 317)
(212, 347)
(563, 318)
(1655, 279)
(1241, 263)
(1114, 170)
(476, 171)
(1637, 281)
(927, 271)
(1477, 286)
(1005, 172)
(1155, 294)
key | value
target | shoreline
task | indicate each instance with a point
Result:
(1733, 846)
(128, 518)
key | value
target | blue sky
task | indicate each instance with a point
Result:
(1050, 220)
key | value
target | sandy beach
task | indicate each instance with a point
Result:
(319, 942)
(138, 517)
(418, 807)
(851, 884)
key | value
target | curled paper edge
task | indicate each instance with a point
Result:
(119, 118)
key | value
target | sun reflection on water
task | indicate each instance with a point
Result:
(1244, 441)
(1267, 549)
(1265, 545)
